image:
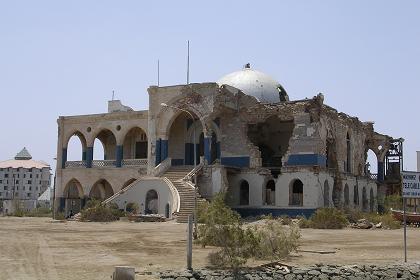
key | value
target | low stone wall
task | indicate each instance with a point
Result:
(317, 272)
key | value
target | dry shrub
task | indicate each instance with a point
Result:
(132, 208)
(276, 241)
(304, 223)
(223, 228)
(98, 213)
(326, 218)
(388, 222)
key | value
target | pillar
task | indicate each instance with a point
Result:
(158, 152)
(118, 155)
(63, 158)
(84, 155)
(207, 149)
(381, 171)
(89, 157)
(164, 149)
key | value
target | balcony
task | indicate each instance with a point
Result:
(140, 163)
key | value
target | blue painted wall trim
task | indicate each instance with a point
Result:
(89, 157)
(276, 212)
(157, 152)
(164, 149)
(177, 161)
(84, 155)
(118, 155)
(381, 171)
(235, 161)
(306, 159)
(63, 158)
(207, 152)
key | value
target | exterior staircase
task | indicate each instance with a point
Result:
(187, 194)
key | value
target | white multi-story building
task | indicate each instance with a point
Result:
(23, 179)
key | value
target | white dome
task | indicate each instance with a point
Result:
(255, 83)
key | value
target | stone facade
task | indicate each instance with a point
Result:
(287, 157)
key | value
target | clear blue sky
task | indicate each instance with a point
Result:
(66, 57)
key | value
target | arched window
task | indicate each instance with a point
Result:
(348, 164)
(355, 195)
(152, 206)
(244, 193)
(101, 190)
(346, 196)
(364, 199)
(104, 146)
(270, 193)
(326, 194)
(296, 193)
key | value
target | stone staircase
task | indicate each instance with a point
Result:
(187, 194)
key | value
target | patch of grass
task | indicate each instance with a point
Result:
(325, 218)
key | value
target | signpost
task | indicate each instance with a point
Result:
(410, 189)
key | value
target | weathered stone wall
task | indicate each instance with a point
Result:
(316, 272)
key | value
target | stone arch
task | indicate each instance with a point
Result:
(364, 200)
(129, 182)
(296, 193)
(182, 144)
(371, 200)
(109, 143)
(152, 202)
(346, 195)
(371, 163)
(244, 192)
(331, 154)
(73, 198)
(101, 190)
(270, 193)
(71, 154)
(135, 143)
(326, 194)
(73, 190)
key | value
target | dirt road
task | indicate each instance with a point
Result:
(36, 248)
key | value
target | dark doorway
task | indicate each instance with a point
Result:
(296, 194)
(152, 206)
(244, 193)
(141, 149)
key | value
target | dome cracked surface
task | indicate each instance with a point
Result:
(255, 83)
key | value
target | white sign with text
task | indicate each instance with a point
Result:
(410, 184)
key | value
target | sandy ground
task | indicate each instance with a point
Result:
(36, 248)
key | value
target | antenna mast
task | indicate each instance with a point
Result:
(158, 72)
(112, 95)
(188, 62)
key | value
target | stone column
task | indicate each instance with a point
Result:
(63, 158)
(158, 152)
(381, 171)
(89, 157)
(118, 155)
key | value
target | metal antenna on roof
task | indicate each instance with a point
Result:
(158, 72)
(113, 95)
(188, 62)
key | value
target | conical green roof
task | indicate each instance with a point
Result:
(23, 155)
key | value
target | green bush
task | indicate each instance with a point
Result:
(328, 218)
(304, 223)
(132, 208)
(393, 201)
(99, 213)
(353, 215)
(222, 227)
(60, 216)
(39, 212)
(388, 222)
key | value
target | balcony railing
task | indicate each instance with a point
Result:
(75, 164)
(103, 163)
(373, 176)
(141, 162)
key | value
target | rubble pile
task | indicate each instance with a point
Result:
(146, 218)
(316, 272)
